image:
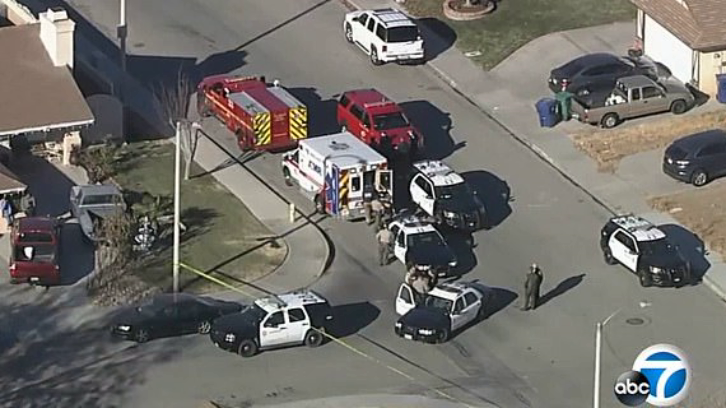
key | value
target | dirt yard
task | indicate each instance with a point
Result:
(702, 211)
(608, 147)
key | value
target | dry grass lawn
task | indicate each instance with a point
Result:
(608, 147)
(703, 211)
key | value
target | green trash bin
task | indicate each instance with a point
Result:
(564, 105)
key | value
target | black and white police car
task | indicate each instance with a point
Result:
(640, 246)
(448, 307)
(443, 194)
(293, 318)
(417, 242)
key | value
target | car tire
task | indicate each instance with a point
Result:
(141, 336)
(319, 204)
(608, 256)
(443, 336)
(644, 279)
(610, 120)
(204, 327)
(286, 175)
(247, 348)
(348, 33)
(679, 107)
(314, 338)
(699, 178)
(374, 57)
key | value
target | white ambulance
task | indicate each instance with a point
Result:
(337, 172)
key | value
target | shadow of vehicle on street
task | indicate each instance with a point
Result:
(443, 38)
(349, 319)
(77, 258)
(462, 244)
(501, 297)
(494, 193)
(561, 288)
(700, 98)
(435, 126)
(691, 247)
(321, 112)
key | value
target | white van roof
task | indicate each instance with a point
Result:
(344, 150)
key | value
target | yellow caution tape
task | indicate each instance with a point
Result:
(334, 339)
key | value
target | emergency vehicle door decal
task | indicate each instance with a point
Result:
(263, 128)
(332, 186)
(344, 185)
(298, 123)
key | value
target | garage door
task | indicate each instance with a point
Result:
(664, 47)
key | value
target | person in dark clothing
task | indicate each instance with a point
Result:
(532, 287)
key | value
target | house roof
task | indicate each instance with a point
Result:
(9, 182)
(698, 23)
(38, 96)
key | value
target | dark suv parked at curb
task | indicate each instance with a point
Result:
(697, 159)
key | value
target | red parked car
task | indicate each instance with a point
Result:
(378, 122)
(34, 252)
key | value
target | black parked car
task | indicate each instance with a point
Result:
(169, 315)
(698, 158)
(598, 72)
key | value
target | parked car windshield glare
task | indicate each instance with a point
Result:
(438, 303)
(460, 191)
(388, 121)
(655, 247)
(402, 34)
(426, 238)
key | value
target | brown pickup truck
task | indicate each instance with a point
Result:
(632, 97)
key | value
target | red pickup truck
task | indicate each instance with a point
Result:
(35, 250)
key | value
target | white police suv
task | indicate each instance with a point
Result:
(443, 194)
(445, 309)
(417, 242)
(294, 318)
(386, 35)
(640, 246)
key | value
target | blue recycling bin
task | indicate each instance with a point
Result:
(721, 94)
(547, 112)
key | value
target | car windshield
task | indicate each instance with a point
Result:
(402, 34)
(40, 253)
(101, 199)
(254, 312)
(460, 190)
(426, 238)
(438, 303)
(656, 247)
(388, 121)
(151, 307)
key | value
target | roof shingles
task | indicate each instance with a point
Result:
(36, 94)
(700, 24)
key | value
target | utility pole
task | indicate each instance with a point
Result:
(177, 205)
(121, 33)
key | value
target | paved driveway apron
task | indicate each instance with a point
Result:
(516, 359)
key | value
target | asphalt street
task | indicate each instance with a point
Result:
(513, 359)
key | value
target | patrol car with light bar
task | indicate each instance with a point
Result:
(644, 249)
(417, 242)
(295, 318)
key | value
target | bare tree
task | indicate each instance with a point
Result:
(174, 104)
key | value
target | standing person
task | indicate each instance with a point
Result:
(367, 206)
(6, 206)
(421, 282)
(377, 208)
(385, 239)
(531, 287)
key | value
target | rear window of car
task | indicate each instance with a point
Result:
(42, 253)
(402, 34)
(35, 237)
(571, 68)
(676, 153)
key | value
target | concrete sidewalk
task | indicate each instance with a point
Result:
(507, 95)
(308, 248)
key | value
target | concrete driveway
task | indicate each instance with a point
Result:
(513, 359)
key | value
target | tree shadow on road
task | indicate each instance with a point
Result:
(351, 318)
(691, 247)
(494, 193)
(62, 356)
(435, 127)
(561, 288)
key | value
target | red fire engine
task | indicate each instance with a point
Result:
(263, 116)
